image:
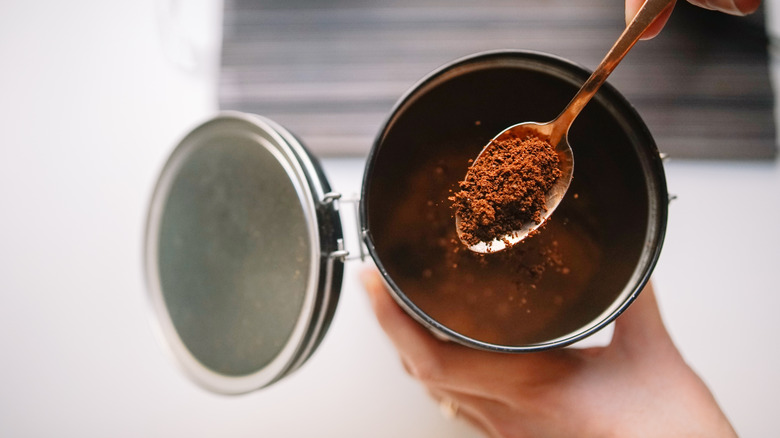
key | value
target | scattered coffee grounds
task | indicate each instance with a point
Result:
(505, 188)
(533, 292)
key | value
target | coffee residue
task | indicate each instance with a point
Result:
(505, 188)
(529, 293)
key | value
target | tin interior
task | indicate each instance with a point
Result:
(569, 280)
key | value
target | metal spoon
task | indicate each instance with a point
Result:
(556, 131)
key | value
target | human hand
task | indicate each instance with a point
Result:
(638, 386)
(733, 7)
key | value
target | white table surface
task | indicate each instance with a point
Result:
(93, 96)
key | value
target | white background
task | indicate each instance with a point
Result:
(93, 96)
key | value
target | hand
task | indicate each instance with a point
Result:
(733, 7)
(639, 385)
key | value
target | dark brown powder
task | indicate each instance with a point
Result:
(505, 188)
(530, 293)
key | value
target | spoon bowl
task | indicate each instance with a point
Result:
(556, 131)
(553, 196)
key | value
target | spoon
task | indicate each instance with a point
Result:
(556, 131)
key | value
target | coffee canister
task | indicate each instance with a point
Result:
(245, 249)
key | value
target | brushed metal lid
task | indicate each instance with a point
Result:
(237, 255)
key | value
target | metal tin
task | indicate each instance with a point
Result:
(614, 215)
(244, 250)
(240, 246)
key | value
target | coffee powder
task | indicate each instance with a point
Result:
(530, 293)
(505, 188)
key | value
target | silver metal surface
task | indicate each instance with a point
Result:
(342, 253)
(234, 254)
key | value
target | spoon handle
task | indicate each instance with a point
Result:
(649, 11)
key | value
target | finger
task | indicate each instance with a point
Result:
(475, 411)
(641, 327)
(410, 339)
(733, 7)
(450, 366)
(632, 7)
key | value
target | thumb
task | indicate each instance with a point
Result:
(632, 7)
(641, 325)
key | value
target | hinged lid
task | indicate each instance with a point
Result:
(238, 253)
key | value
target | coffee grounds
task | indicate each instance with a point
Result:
(533, 292)
(505, 188)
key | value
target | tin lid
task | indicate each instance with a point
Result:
(238, 253)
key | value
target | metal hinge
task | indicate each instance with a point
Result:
(342, 253)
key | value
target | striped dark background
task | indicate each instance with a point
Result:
(330, 71)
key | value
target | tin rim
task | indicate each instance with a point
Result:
(648, 156)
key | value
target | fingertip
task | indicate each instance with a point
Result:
(731, 7)
(641, 326)
(382, 304)
(367, 277)
(633, 6)
(372, 282)
(747, 7)
(411, 340)
(651, 32)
